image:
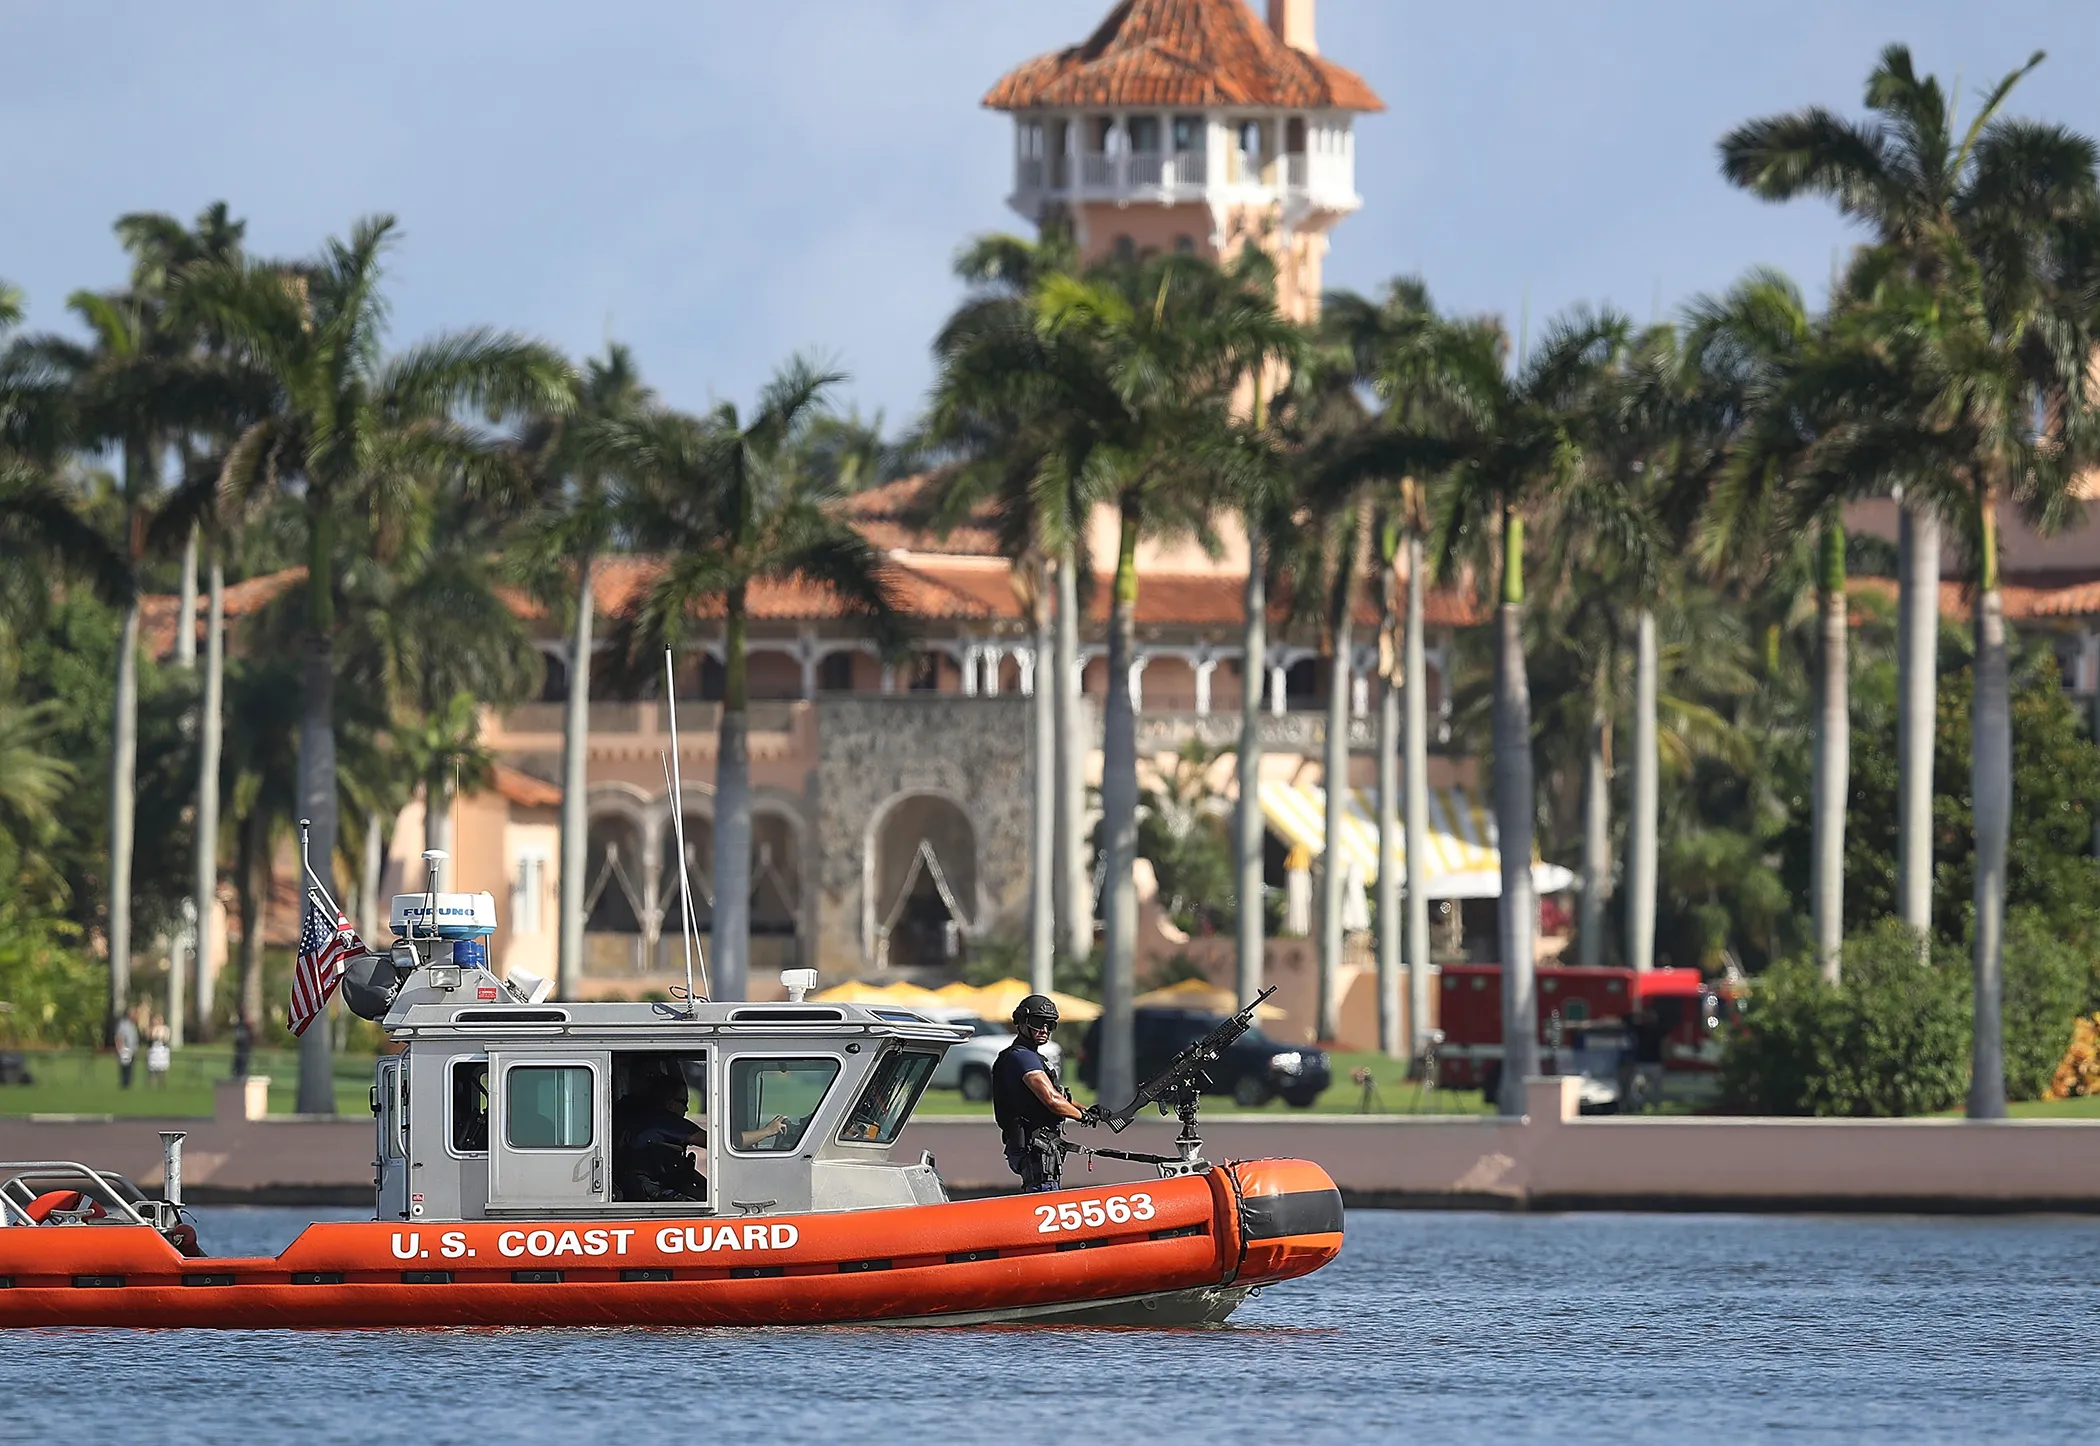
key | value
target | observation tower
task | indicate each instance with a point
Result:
(1191, 125)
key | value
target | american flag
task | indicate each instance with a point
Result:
(322, 953)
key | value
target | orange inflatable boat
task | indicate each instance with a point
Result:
(1177, 1251)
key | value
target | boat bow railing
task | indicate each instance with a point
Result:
(15, 1176)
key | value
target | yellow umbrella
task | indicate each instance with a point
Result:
(959, 995)
(997, 1001)
(1199, 994)
(900, 994)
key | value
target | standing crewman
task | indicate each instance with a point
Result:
(1027, 1102)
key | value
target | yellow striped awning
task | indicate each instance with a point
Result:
(1463, 863)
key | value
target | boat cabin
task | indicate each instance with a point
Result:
(502, 1104)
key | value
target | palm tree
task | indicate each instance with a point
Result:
(993, 414)
(130, 387)
(443, 749)
(355, 437)
(1423, 368)
(576, 524)
(1165, 345)
(161, 248)
(1348, 530)
(1661, 440)
(1346, 541)
(1931, 197)
(1762, 367)
(1977, 391)
(1528, 446)
(1259, 462)
(259, 795)
(729, 504)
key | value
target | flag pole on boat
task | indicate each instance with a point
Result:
(306, 867)
(691, 928)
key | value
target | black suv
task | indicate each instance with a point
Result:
(1254, 1070)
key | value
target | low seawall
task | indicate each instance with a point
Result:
(1550, 1159)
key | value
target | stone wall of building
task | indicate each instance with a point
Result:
(874, 754)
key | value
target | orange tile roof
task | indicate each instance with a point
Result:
(968, 588)
(620, 582)
(1217, 600)
(159, 615)
(1182, 53)
(523, 789)
(897, 514)
(1957, 599)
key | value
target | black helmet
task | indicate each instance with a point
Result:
(1036, 1009)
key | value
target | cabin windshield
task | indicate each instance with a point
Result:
(893, 1090)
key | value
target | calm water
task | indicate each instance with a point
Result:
(1443, 1329)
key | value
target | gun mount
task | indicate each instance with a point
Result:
(1177, 1089)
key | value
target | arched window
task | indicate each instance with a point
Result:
(554, 680)
(923, 870)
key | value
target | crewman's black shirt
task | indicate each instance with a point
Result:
(1014, 1105)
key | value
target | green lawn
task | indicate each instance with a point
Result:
(2086, 1108)
(84, 1082)
(1396, 1095)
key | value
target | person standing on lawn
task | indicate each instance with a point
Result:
(127, 1042)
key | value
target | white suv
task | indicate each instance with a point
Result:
(968, 1066)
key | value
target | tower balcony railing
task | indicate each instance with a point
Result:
(1321, 181)
(1108, 175)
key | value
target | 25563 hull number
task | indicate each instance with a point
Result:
(1081, 1214)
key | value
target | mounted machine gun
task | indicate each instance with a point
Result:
(1177, 1089)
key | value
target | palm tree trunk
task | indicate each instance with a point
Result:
(1043, 857)
(372, 879)
(1917, 708)
(211, 725)
(1249, 834)
(1645, 823)
(317, 787)
(1392, 1037)
(123, 807)
(1833, 764)
(1596, 838)
(252, 876)
(730, 976)
(1415, 744)
(1513, 825)
(1990, 784)
(1075, 739)
(575, 804)
(1118, 1074)
(437, 829)
(1334, 875)
(186, 607)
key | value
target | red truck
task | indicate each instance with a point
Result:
(1633, 1037)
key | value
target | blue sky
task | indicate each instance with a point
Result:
(723, 184)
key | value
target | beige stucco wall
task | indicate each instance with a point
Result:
(1548, 1159)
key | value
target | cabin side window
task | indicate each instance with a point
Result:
(773, 1100)
(548, 1107)
(470, 1106)
(892, 1092)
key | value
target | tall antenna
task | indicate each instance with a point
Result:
(691, 929)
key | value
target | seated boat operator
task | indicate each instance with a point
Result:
(1027, 1101)
(652, 1137)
